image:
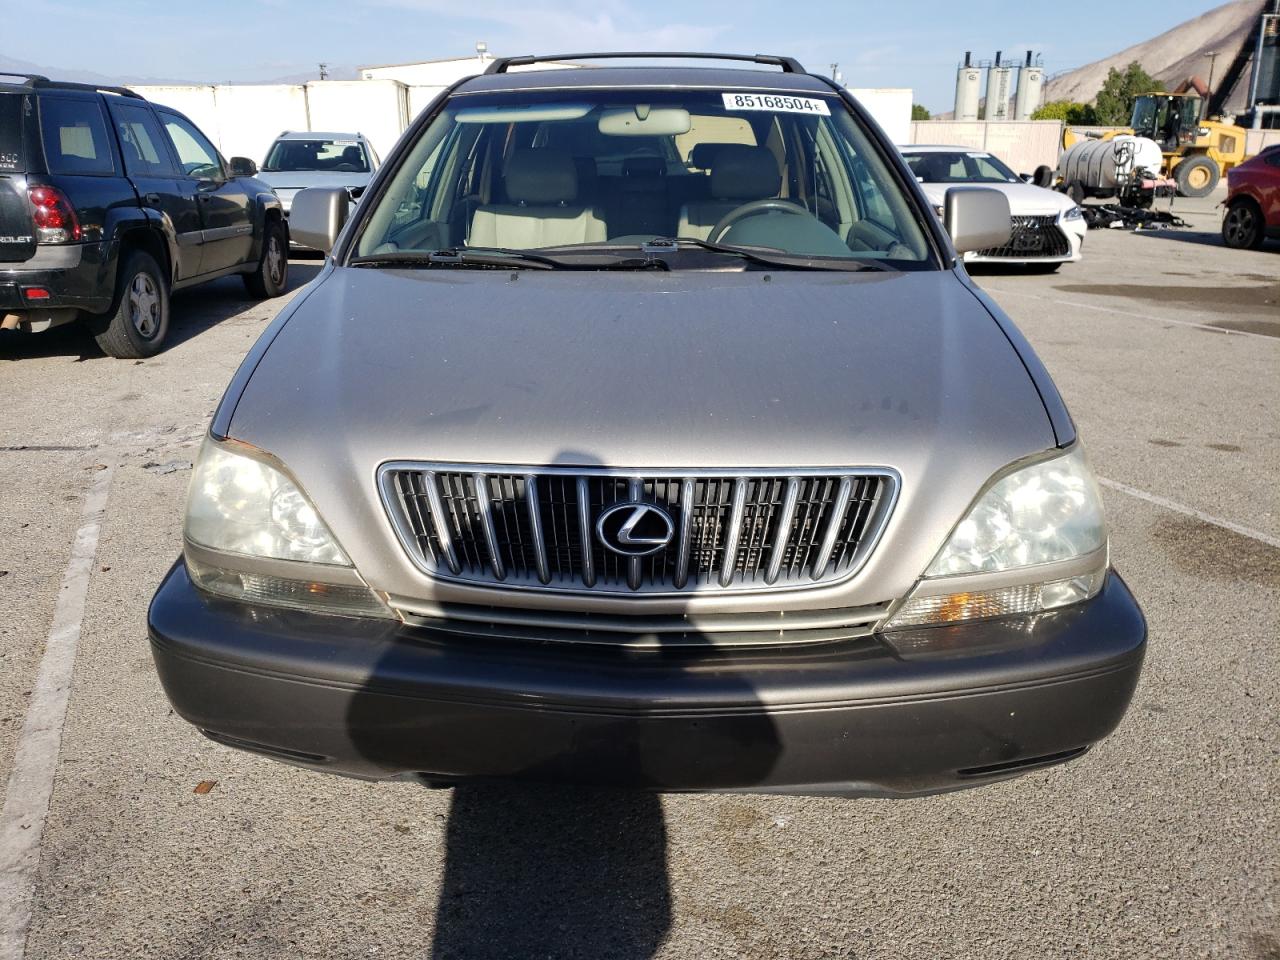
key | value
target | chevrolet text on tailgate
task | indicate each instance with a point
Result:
(643, 428)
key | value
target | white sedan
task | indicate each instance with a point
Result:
(1048, 227)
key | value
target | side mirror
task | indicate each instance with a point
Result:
(243, 167)
(318, 215)
(976, 218)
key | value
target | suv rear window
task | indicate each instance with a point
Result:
(75, 136)
(12, 156)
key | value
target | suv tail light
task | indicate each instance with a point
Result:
(55, 220)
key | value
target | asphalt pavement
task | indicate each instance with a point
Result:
(1161, 842)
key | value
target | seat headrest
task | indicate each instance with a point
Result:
(541, 175)
(739, 172)
(703, 155)
(644, 167)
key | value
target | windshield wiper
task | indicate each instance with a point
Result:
(768, 256)
(505, 258)
(458, 257)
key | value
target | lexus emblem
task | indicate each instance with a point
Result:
(635, 529)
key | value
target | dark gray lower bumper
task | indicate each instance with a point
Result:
(379, 699)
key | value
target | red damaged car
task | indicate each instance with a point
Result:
(1253, 201)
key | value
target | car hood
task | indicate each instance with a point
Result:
(684, 369)
(291, 181)
(1025, 199)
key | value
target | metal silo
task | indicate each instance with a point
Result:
(968, 89)
(999, 84)
(1030, 85)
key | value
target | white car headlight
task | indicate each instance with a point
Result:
(241, 504)
(1043, 521)
(252, 535)
(1051, 510)
(1072, 213)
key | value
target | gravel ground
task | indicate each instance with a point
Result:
(1160, 843)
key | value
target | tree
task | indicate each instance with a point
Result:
(1114, 102)
(1068, 111)
(920, 112)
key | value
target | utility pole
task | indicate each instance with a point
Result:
(1213, 60)
(324, 72)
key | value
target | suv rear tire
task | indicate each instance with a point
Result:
(138, 325)
(272, 274)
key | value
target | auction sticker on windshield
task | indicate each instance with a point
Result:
(776, 103)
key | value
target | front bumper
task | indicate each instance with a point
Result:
(952, 707)
(1072, 231)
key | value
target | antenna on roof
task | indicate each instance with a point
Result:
(324, 71)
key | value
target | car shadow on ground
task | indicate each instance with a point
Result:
(192, 312)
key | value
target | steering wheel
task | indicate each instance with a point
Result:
(751, 209)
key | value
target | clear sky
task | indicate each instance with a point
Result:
(877, 44)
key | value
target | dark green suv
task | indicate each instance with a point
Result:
(109, 202)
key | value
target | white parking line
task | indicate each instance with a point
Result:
(1076, 304)
(1191, 512)
(26, 804)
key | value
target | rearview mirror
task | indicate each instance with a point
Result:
(318, 216)
(976, 218)
(243, 167)
(644, 120)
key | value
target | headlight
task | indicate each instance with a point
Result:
(1048, 511)
(1073, 213)
(1036, 540)
(252, 535)
(242, 504)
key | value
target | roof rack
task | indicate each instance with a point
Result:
(34, 80)
(788, 64)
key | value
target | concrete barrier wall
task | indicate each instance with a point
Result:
(1022, 144)
(377, 108)
(243, 120)
(1258, 140)
(420, 98)
(891, 108)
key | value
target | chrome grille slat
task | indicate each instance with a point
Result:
(837, 511)
(481, 482)
(784, 528)
(734, 533)
(584, 532)
(534, 527)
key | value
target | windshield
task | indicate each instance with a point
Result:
(321, 156)
(599, 169)
(1143, 119)
(935, 166)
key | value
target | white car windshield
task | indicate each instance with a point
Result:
(317, 156)
(937, 166)
(618, 168)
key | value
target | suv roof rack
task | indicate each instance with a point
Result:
(35, 80)
(788, 64)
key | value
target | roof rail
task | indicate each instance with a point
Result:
(34, 80)
(788, 65)
(25, 76)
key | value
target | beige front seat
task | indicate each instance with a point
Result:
(739, 174)
(542, 187)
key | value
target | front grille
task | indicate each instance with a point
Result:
(1033, 237)
(536, 528)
